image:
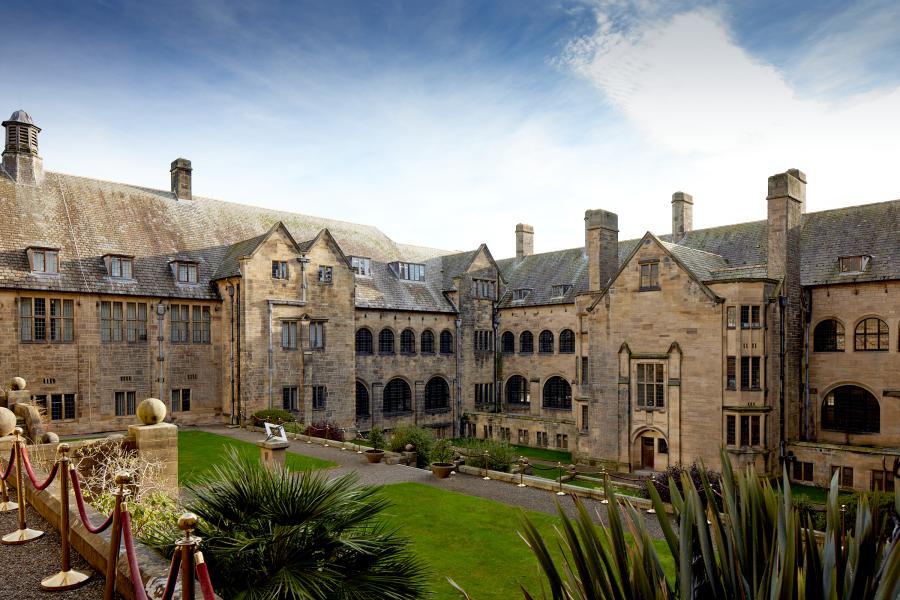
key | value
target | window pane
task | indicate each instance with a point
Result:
(38, 258)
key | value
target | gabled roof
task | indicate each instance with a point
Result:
(700, 264)
(230, 265)
(383, 290)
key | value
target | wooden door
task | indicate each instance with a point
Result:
(647, 457)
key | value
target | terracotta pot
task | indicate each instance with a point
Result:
(374, 456)
(442, 470)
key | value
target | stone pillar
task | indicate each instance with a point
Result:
(524, 240)
(157, 441)
(682, 215)
(272, 452)
(601, 244)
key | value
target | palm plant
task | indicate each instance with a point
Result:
(758, 546)
(270, 534)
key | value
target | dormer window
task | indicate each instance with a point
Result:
(43, 260)
(560, 290)
(409, 271)
(119, 267)
(185, 272)
(852, 265)
(520, 294)
(361, 265)
(483, 288)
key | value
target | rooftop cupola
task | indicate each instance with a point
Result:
(20, 154)
(181, 178)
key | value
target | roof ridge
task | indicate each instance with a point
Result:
(691, 248)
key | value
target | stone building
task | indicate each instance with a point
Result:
(777, 339)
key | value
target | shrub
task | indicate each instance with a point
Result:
(695, 473)
(501, 455)
(275, 416)
(154, 517)
(422, 439)
(268, 533)
(325, 430)
(376, 438)
(442, 452)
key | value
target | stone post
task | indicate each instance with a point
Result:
(157, 441)
(272, 452)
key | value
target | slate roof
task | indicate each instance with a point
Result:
(88, 218)
(702, 264)
(384, 290)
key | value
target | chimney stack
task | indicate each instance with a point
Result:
(682, 215)
(181, 178)
(524, 240)
(20, 154)
(601, 244)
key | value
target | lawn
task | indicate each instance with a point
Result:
(544, 454)
(473, 540)
(199, 450)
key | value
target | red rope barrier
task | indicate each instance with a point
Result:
(79, 501)
(173, 575)
(205, 584)
(139, 592)
(38, 486)
(9, 465)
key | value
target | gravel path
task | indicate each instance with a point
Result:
(383, 474)
(24, 566)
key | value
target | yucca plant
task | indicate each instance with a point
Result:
(759, 546)
(270, 534)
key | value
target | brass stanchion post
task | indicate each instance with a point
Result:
(115, 536)
(23, 534)
(487, 457)
(5, 504)
(67, 578)
(522, 463)
(559, 468)
(187, 522)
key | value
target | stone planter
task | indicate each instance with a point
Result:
(442, 470)
(374, 456)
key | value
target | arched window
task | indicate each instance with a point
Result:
(517, 390)
(507, 342)
(397, 397)
(557, 393)
(828, 336)
(408, 342)
(362, 400)
(567, 341)
(545, 342)
(386, 341)
(446, 342)
(437, 394)
(363, 341)
(871, 334)
(427, 342)
(526, 343)
(851, 409)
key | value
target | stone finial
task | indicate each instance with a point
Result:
(7, 421)
(17, 383)
(151, 411)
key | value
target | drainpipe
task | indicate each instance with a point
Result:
(782, 303)
(458, 420)
(161, 357)
(495, 321)
(230, 289)
(240, 419)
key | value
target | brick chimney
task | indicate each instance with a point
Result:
(682, 215)
(181, 178)
(601, 244)
(20, 154)
(524, 240)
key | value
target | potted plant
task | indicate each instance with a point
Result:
(442, 459)
(376, 440)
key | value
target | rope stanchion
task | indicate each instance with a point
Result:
(82, 512)
(522, 462)
(23, 534)
(187, 547)
(66, 578)
(559, 479)
(487, 458)
(5, 504)
(139, 592)
(115, 538)
(203, 575)
(30, 472)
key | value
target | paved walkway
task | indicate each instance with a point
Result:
(384, 474)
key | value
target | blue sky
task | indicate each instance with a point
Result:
(446, 123)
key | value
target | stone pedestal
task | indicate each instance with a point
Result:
(159, 443)
(272, 452)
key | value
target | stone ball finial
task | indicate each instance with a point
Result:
(187, 522)
(7, 421)
(151, 411)
(409, 447)
(18, 383)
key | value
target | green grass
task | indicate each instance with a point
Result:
(199, 450)
(544, 454)
(474, 541)
(809, 493)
